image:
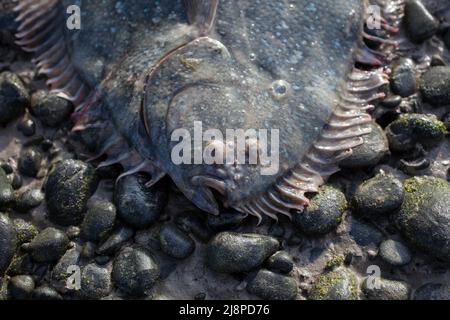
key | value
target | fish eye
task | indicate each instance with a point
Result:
(280, 89)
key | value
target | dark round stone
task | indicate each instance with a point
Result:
(21, 287)
(424, 217)
(138, 205)
(280, 262)
(435, 86)
(27, 127)
(395, 253)
(374, 148)
(28, 200)
(175, 242)
(17, 181)
(268, 285)
(324, 212)
(49, 245)
(134, 271)
(7, 167)
(364, 234)
(7, 243)
(410, 129)
(383, 289)
(95, 282)
(50, 109)
(14, 97)
(30, 162)
(69, 186)
(380, 195)
(391, 102)
(99, 221)
(420, 23)
(231, 252)
(115, 241)
(403, 78)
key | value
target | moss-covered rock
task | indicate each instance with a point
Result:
(324, 212)
(69, 186)
(424, 217)
(409, 129)
(340, 284)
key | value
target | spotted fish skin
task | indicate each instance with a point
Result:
(140, 70)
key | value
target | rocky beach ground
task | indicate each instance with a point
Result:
(379, 229)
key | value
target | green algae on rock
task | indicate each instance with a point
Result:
(424, 217)
(409, 129)
(324, 212)
(340, 284)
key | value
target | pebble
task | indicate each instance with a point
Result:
(134, 271)
(17, 181)
(231, 252)
(28, 200)
(25, 231)
(324, 212)
(433, 291)
(409, 129)
(14, 98)
(420, 23)
(6, 191)
(138, 205)
(391, 102)
(384, 289)
(379, 195)
(30, 162)
(368, 154)
(115, 241)
(49, 245)
(435, 85)
(50, 109)
(21, 287)
(175, 242)
(61, 270)
(280, 262)
(364, 234)
(7, 167)
(269, 285)
(7, 243)
(98, 221)
(95, 282)
(403, 78)
(69, 186)
(27, 127)
(46, 292)
(395, 253)
(340, 284)
(424, 217)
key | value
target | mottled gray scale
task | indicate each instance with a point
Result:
(277, 69)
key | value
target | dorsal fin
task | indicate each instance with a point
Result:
(202, 13)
